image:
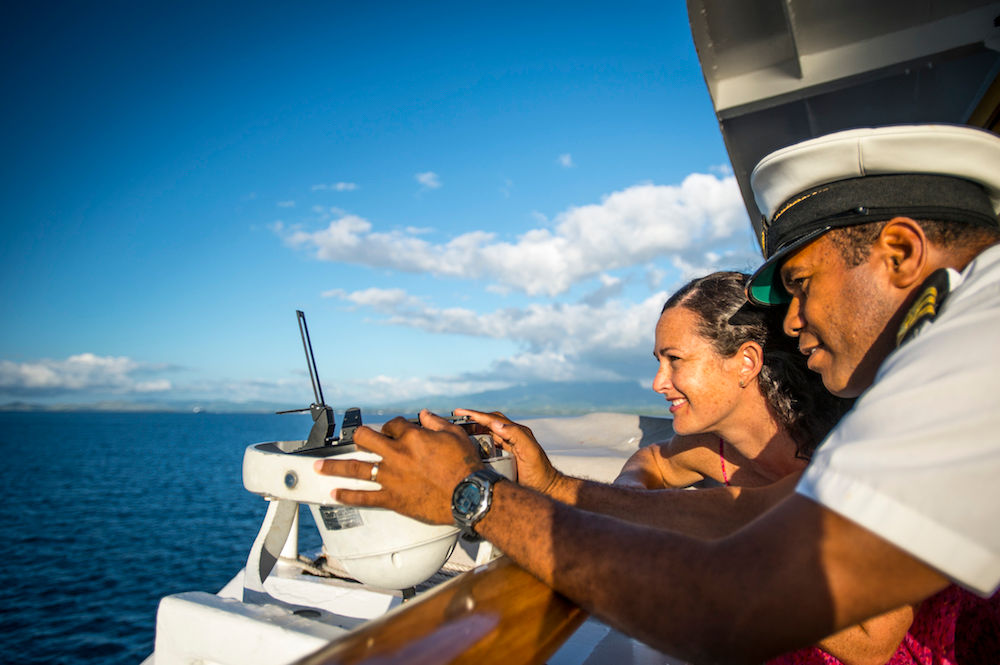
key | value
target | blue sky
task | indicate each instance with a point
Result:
(461, 196)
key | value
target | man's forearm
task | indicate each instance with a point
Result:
(739, 599)
(706, 513)
(621, 572)
(795, 574)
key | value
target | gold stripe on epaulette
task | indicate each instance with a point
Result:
(925, 307)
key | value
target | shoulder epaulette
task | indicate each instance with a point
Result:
(933, 292)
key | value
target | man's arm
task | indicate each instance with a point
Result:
(713, 513)
(789, 578)
(704, 513)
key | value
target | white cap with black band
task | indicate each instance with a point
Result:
(927, 172)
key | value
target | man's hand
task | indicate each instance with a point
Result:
(534, 469)
(420, 466)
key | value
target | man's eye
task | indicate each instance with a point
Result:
(795, 284)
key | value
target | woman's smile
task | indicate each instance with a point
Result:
(676, 404)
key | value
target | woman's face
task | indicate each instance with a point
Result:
(701, 386)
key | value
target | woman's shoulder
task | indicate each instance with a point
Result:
(695, 452)
(686, 459)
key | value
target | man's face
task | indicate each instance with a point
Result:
(840, 314)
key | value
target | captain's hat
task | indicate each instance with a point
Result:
(925, 172)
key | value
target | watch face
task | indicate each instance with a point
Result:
(468, 497)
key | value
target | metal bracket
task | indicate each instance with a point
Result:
(281, 516)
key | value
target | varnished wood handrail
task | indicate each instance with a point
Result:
(496, 614)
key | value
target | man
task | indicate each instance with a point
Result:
(866, 232)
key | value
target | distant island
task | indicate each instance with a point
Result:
(534, 399)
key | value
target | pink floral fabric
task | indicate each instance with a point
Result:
(953, 627)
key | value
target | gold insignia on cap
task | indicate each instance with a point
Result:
(797, 201)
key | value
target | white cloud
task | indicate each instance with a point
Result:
(553, 327)
(566, 161)
(609, 340)
(79, 373)
(689, 224)
(640, 237)
(286, 204)
(379, 299)
(285, 391)
(386, 389)
(549, 366)
(345, 392)
(508, 187)
(335, 187)
(610, 287)
(156, 386)
(655, 276)
(428, 180)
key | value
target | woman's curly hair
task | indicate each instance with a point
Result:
(795, 394)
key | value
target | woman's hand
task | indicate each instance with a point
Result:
(534, 469)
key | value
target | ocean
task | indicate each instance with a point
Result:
(108, 512)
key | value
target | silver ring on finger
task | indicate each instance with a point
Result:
(374, 471)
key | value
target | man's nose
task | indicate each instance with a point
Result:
(793, 322)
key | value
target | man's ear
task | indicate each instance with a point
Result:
(751, 358)
(903, 247)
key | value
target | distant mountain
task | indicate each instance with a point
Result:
(562, 398)
(177, 406)
(533, 399)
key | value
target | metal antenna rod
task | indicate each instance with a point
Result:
(310, 360)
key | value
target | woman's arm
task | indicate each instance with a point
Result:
(707, 513)
(641, 471)
(659, 466)
(681, 462)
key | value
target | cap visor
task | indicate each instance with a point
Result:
(764, 287)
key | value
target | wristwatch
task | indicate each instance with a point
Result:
(472, 498)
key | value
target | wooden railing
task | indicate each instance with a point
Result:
(496, 614)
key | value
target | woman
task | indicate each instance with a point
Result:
(746, 413)
(745, 406)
